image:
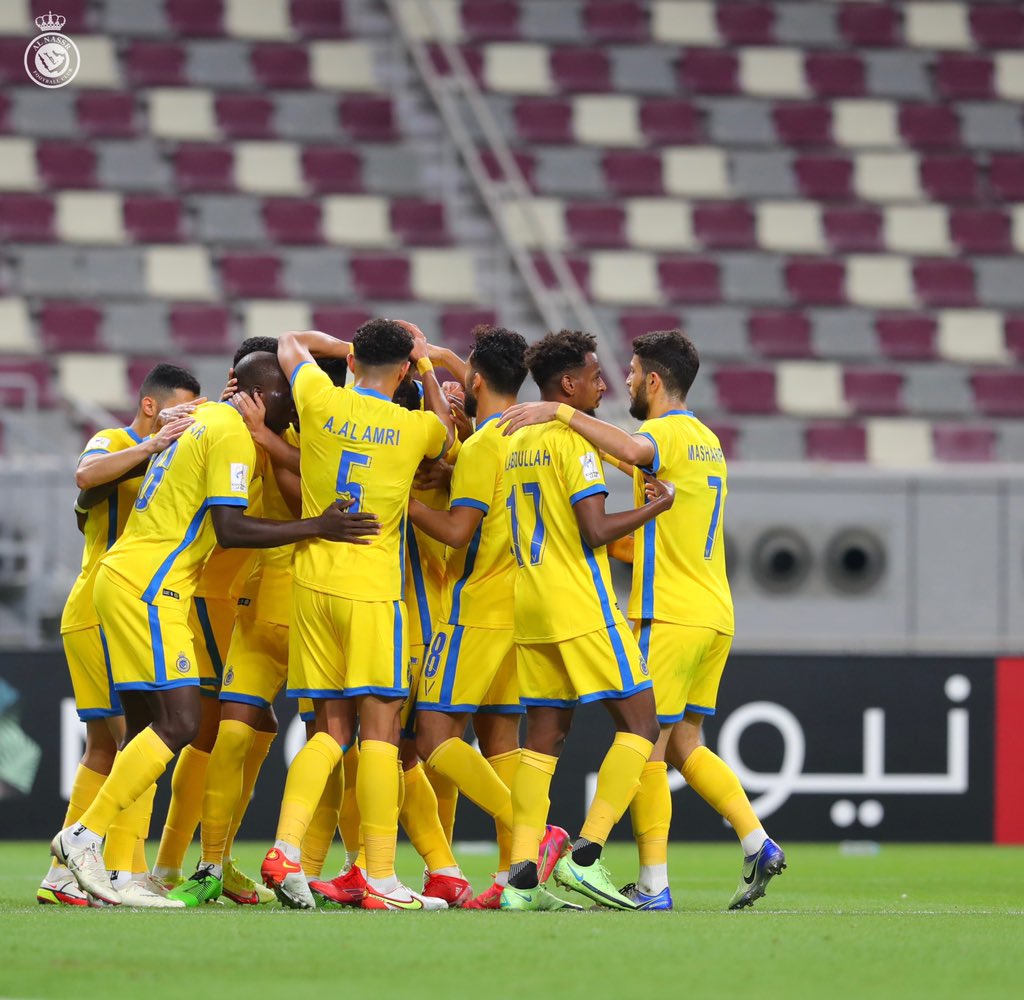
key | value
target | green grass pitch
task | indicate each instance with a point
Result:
(911, 921)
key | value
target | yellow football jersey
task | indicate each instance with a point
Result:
(679, 558)
(103, 526)
(357, 444)
(267, 592)
(563, 587)
(481, 576)
(169, 535)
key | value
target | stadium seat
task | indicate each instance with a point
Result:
(628, 172)
(746, 390)
(799, 124)
(997, 26)
(873, 392)
(24, 381)
(382, 277)
(835, 442)
(204, 168)
(368, 118)
(153, 219)
(853, 229)
(999, 394)
(869, 25)
(780, 334)
(815, 282)
(331, 169)
(724, 225)
(958, 443)
(907, 337)
(244, 116)
(951, 178)
(835, 74)
(709, 71)
(595, 224)
(318, 18)
(26, 218)
(543, 120)
(486, 20)
(746, 24)
(583, 70)
(340, 321)
(981, 230)
(103, 114)
(201, 329)
(196, 18)
(70, 326)
(669, 122)
(66, 165)
(251, 275)
(457, 327)
(281, 65)
(292, 220)
(1014, 333)
(964, 77)
(689, 280)
(824, 178)
(616, 21)
(1006, 175)
(929, 126)
(636, 323)
(944, 282)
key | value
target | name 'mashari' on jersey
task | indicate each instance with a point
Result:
(481, 577)
(169, 535)
(563, 587)
(679, 557)
(103, 526)
(357, 444)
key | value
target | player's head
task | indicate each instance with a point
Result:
(498, 360)
(253, 344)
(664, 364)
(565, 367)
(336, 369)
(409, 393)
(166, 385)
(260, 375)
(380, 350)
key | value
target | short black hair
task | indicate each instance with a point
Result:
(336, 369)
(409, 393)
(558, 353)
(381, 342)
(163, 379)
(253, 344)
(672, 355)
(499, 355)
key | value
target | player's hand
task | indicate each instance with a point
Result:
(168, 434)
(337, 524)
(231, 388)
(659, 492)
(433, 475)
(463, 425)
(253, 412)
(526, 414)
(439, 355)
(179, 410)
(419, 340)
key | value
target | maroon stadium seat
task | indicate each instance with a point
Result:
(332, 169)
(780, 334)
(709, 71)
(245, 116)
(472, 57)
(204, 167)
(689, 279)
(928, 126)
(75, 13)
(12, 61)
(490, 20)
(596, 225)
(579, 266)
(869, 25)
(831, 442)
(544, 120)
(814, 281)
(824, 178)
(872, 391)
(746, 390)
(853, 228)
(630, 172)
(636, 323)
(584, 70)
(281, 65)
(340, 321)
(251, 275)
(728, 437)
(907, 337)
(607, 21)
(981, 230)
(746, 23)
(957, 443)
(201, 329)
(153, 219)
(944, 282)
(5, 109)
(526, 162)
(835, 74)
(1014, 332)
(66, 165)
(368, 117)
(103, 114)
(457, 327)
(798, 124)
(418, 221)
(292, 220)
(155, 64)
(34, 371)
(318, 18)
(963, 77)
(666, 122)
(997, 26)
(70, 326)
(26, 218)
(201, 18)
(1006, 175)
(999, 394)
(949, 178)
(727, 224)
(381, 277)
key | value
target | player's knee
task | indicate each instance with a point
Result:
(647, 729)
(178, 730)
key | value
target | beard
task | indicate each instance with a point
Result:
(639, 406)
(469, 404)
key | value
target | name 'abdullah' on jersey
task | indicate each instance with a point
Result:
(679, 557)
(563, 587)
(358, 445)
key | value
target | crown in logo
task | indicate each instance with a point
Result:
(51, 22)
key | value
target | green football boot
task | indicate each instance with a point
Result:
(536, 899)
(592, 881)
(202, 887)
(241, 889)
(758, 870)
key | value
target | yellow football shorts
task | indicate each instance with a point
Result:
(211, 620)
(686, 664)
(417, 651)
(340, 648)
(467, 669)
(256, 666)
(89, 665)
(306, 710)
(150, 646)
(597, 666)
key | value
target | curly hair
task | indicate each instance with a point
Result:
(252, 344)
(499, 355)
(672, 355)
(557, 354)
(336, 368)
(382, 342)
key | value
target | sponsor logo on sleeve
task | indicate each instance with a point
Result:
(591, 470)
(239, 478)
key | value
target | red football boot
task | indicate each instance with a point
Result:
(344, 890)
(552, 847)
(489, 899)
(454, 891)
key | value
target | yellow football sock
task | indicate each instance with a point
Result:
(123, 834)
(447, 793)
(651, 813)
(348, 818)
(530, 803)
(716, 783)
(360, 861)
(250, 772)
(505, 766)
(307, 779)
(377, 793)
(187, 785)
(86, 786)
(476, 779)
(224, 786)
(617, 783)
(401, 787)
(418, 817)
(135, 768)
(320, 832)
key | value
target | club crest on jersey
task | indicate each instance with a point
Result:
(643, 667)
(591, 470)
(229, 676)
(183, 664)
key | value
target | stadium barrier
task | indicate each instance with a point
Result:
(829, 748)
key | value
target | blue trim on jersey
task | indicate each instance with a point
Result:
(245, 699)
(87, 714)
(670, 720)
(677, 413)
(700, 709)
(615, 695)
(401, 550)
(469, 502)
(602, 593)
(451, 663)
(115, 702)
(650, 536)
(227, 502)
(484, 423)
(467, 569)
(295, 371)
(447, 709)
(135, 437)
(501, 710)
(419, 585)
(396, 638)
(331, 694)
(620, 656)
(93, 451)
(550, 702)
(203, 614)
(162, 686)
(380, 692)
(644, 641)
(588, 492)
(363, 391)
(165, 567)
(157, 642)
(307, 716)
(111, 519)
(655, 464)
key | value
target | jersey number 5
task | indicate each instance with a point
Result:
(154, 477)
(539, 537)
(347, 487)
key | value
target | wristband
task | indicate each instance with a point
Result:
(79, 509)
(424, 365)
(565, 413)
